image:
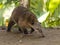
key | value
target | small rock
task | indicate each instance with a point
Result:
(20, 41)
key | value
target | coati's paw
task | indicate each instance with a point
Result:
(25, 32)
(8, 31)
(43, 36)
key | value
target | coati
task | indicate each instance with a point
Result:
(24, 19)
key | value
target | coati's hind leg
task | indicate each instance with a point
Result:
(11, 23)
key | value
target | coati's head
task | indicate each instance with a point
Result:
(36, 26)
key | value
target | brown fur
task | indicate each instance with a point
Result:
(22, 14)
(23, 18)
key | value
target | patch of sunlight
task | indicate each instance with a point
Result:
(43, 17)
(56, 1)
(8, 12)
(1, 6)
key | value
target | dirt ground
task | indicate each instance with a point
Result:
(52, 37)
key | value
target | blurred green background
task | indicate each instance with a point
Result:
(46, 11)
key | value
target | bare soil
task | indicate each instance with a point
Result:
(52, 37)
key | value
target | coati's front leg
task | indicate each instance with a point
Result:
(11, 23)
(20, 30)
(32, 30)
(25, 31)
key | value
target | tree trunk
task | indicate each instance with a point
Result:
(25, 3)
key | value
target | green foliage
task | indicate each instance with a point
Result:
(36, 6)
(53, 18)
(1, 17)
